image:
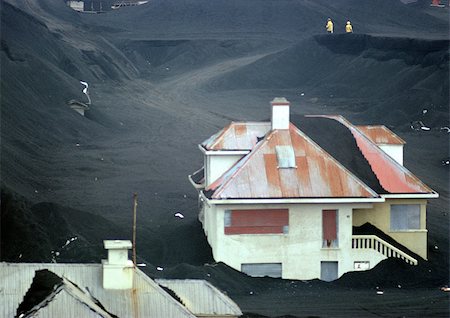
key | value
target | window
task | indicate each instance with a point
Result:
(285, 157)
(405, 217)
(361, 265)
(262, 269)
(328, 271)
(269, 221)
(330, 228)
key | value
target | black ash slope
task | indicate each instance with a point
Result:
(165, 76)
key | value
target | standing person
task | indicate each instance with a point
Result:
(348, 27)
(329, 26)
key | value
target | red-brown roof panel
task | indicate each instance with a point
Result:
(380, 134)
(237, 136)
(317, 174)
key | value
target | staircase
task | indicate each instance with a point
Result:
(381, 246)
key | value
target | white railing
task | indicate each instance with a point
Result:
(381, 246)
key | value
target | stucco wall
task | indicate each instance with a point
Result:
(216, 165)
(415, 240)
(300, 250)
(394, 151)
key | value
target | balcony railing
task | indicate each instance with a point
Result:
(375, 243)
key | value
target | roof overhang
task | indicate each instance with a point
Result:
(291, 200)
(222, 152)
(433, 195)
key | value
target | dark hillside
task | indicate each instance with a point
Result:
(165, 76)
(403, 74)
(274, 19)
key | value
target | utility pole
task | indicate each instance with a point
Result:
(134, 227)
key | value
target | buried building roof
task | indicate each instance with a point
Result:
(75, 290)
(325, 157)
(202, 298)
(237, 136)
(381, 135)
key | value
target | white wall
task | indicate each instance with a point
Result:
(394, 151)
(300, 251)
(216, 165)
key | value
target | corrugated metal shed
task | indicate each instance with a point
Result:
(392, 176)
(317, 174)
(237, 136)
(146, 299)
(381, 135)
(201, 298)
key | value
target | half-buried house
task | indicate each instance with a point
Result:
(314, 200)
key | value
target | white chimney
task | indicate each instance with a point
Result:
(117, 269)
(280, 113)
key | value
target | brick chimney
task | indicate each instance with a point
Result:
(280, 113)
(117, 269)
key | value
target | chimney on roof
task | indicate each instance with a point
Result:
(117, 269)
(280, 113)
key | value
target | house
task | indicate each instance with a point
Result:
(115, 288)
(312, 200)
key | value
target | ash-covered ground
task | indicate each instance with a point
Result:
(165, 76)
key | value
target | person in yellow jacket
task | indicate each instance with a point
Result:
(348, 27)
(329, 26)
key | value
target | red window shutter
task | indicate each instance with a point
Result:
(329, 225)
(270, 221)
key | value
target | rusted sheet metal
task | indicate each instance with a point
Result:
(237, 136)
(380, 134)
(317, 174)
(392, 176)
(266, 217)
(253, 230)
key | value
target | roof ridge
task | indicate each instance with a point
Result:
(242, 163)
(219, 134)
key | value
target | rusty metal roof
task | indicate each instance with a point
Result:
(393, 177)
(202, 298)
(316, 175)
(146, 299)
(381, 135)
(237, 136)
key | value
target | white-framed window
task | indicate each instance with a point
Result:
(262, 269)
(405, 217)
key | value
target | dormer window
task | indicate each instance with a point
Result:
(285, 157)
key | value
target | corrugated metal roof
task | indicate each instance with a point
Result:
(381, 135)
(393, 177)
(64, 300)
(201, 298)
(237, 136)
(146, 299)
(318, 175)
